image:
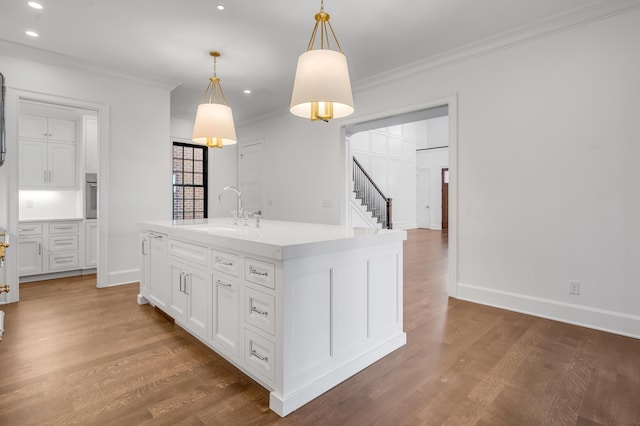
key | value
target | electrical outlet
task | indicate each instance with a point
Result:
(574, 287)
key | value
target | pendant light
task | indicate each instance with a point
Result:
(214, 121)
(322, 89)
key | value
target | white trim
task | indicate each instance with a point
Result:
(598, 319)
(42, 56)
(568, 20)
(128, 276)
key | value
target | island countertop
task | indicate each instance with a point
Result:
(274, 239)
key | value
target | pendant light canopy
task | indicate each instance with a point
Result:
(214, 121)
(322, 89)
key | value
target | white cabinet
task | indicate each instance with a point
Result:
(90, 244)
(47, 152)
(90, 130)
(30, 255)
(47, 247)
(47, 128)
(190, 296)
(157, 285)
(47, 164)
(225, 313)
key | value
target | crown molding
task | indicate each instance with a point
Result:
(34, 54)
(592, 12)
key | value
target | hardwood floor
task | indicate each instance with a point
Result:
(74, 354)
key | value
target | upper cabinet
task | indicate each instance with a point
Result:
(90, 130)
(47, 152)
(47, 128)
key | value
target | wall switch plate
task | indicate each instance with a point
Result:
(574, 287)
(326, 203)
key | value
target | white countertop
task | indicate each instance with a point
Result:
(51, 219)
(274, 239)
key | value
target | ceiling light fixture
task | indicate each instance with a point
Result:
(247, 91)
(35, 5)
(214, 121)
(322, 89)
(220, 7)
(32, 33)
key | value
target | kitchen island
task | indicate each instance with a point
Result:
(298, 307)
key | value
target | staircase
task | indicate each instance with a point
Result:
(368, 202)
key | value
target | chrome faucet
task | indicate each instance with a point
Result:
(238, 213)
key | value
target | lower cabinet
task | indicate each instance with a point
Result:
(30, 255)
(156, 272)
(225, 313)
(190, 296)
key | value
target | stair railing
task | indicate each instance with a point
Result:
(368, 192)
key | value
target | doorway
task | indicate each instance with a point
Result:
(445, 198)
(250, 176)
(407, 115)
(57, 150)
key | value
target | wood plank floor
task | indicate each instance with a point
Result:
(74, 354)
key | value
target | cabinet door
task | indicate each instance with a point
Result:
(91, 244)
(159, 283)
(178, 304)
(61, 161)
(33, 126)
(62, 130)
(198, 289)
(30, 256)
(90, 145)
(225, 313)
(33, 164)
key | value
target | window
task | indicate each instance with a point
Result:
(189, 181)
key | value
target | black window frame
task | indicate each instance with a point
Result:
(205, 172)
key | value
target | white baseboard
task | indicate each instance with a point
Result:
(123, 277)
(598, 319)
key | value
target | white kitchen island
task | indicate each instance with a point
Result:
(298, 307)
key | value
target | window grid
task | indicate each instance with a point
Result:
(189, 181)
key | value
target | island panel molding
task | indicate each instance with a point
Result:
(297, 307)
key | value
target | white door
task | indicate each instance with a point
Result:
(250, 176)
(198, 289)
(423, 207)
(33, 164)
(30, 255)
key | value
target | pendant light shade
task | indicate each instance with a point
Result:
(214, 125)
(321, 84)
(322, 88)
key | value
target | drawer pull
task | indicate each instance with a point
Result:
(66, 243)
(260, 357)
(223, 283)
(254, 271)
(27, 229)
(259, 312)
(223, 262)
(64, 227)
(64, 260)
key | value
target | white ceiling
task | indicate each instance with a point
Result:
(168, 40)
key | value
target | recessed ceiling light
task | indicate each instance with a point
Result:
(35, 5)
(247, 91)
(220, 7)
(32, 33)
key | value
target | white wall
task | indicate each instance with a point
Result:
(137, 143)
(223, 168)
(547, 174)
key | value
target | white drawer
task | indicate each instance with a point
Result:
(63, 261)
(226, 262)
(259, 310)
(188, 251)
(30, 229)
(259, 355)
(259, 272)
(64, 227)
(63, 243)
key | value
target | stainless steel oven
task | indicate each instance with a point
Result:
(91, 196)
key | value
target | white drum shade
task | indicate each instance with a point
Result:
(322, 76)
(214, 121)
